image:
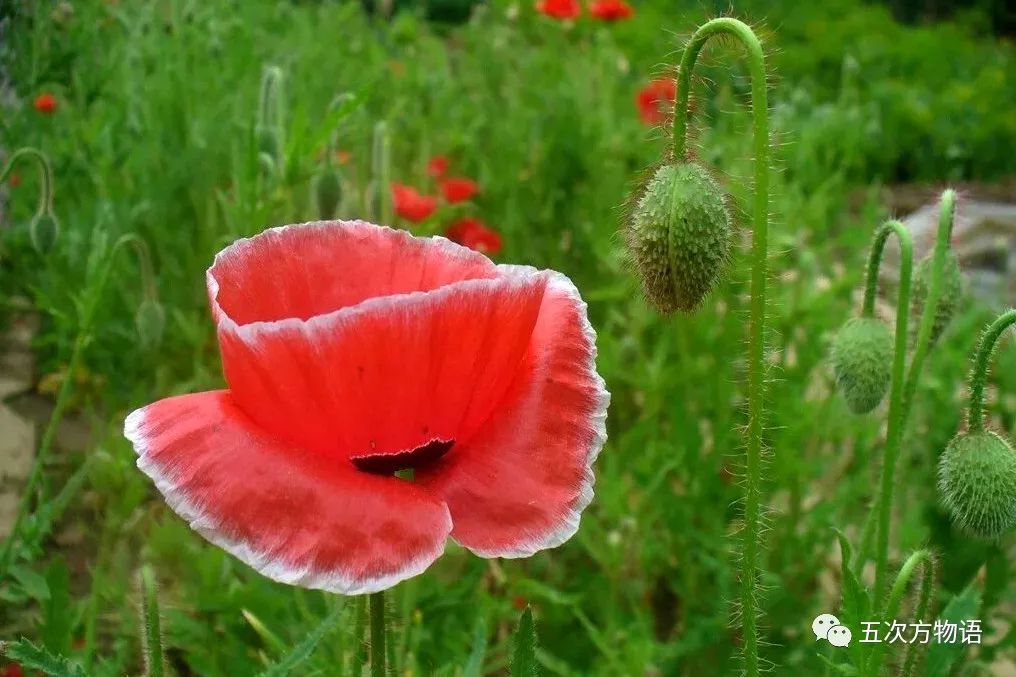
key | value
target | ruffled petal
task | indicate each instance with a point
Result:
(288, 513)
(390, 375)
(520, 484)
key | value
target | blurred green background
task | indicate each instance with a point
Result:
(154, 133)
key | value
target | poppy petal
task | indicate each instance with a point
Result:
(288, 513)
(388, 375)
(520, 484)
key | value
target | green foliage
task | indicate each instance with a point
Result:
(679, 236)
(32, 657)
(862, 354)
(977, 480)
(524, 657)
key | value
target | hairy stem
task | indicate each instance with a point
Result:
(756, 326)
(924, 559)
(377, 635)
(894, 435)
(45, 176)
(982, 362)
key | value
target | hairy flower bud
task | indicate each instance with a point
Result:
(327, 192)
(43, 231)
(862, 354)
(150, 322)
(679, 236)
(949, 297)
(977, 480)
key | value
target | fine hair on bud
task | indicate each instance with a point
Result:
(949, 298)
(977, 483)
(862, 354)
(679, 236)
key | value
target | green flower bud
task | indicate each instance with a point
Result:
(679, 236)
(327, 192)
(150, 322)
(862, 354)
(43, 231)
(977, 480)
(949, 297)
(269, 142)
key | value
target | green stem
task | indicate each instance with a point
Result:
(377, 634)
(894, 434)
(756, 325)
(45, 176)
(382, 162)
(979, 375)
(152, 624)
(921, 557)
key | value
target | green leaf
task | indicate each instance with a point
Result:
(855, 599)
(32, 583)
(474, 665)
(941, 656)
(524, 658)
(32, 657)
(840, 668)
(57, 624)
(302, 651)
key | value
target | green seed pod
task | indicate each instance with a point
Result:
(977, 480)
(679, 236)
(150, 322)
(862, 354)
(327, 192)
(949, 298)
(43, 231)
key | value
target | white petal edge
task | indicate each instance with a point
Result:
(273, 568)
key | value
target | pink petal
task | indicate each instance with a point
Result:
(294, 516)
(520, 484)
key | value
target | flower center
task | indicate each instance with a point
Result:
(413, 459)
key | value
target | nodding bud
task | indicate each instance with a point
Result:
(862, 354)
(327, 192)
(150, 322)
(949, 297)
(43, 231)
(269, 143)
(679, 236)
(977, 480)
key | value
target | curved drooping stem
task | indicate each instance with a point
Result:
(377, 635)
(756, 325)
(921, 558)
(894, 433)
(45, 176)
(982, 362)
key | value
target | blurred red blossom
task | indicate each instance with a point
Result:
(459, 189)
(411, 205)
(560, 9)
(474, 234)
(13, 670)
(437, 166)
(654, 100)
(611, 10)
(14, 180)
(45, 103)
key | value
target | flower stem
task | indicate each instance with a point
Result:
(756, 326)
(45, 176)
(898, 415)
(883, 506)
(925, 559)
(979, 375)
(377, 634)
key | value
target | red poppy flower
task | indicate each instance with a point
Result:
(655, 99)
(410, 205)
(611, 10)
(13, 670)
(474, 234)
(459, 189)
(352, 351)
(45, 103)
(437, 166)
(560, 9)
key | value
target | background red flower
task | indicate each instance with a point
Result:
(459, 189)
(611, 10)
(474, 234)
(437, 166)
(45, 103)
(654, 100)
(560, 9)
(410, 205)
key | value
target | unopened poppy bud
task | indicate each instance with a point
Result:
(949, 297)
(862, 353)
(150, 322)
(977, 480)
(679, 236)
(327, 192)
(268, 142)
(43, 232)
